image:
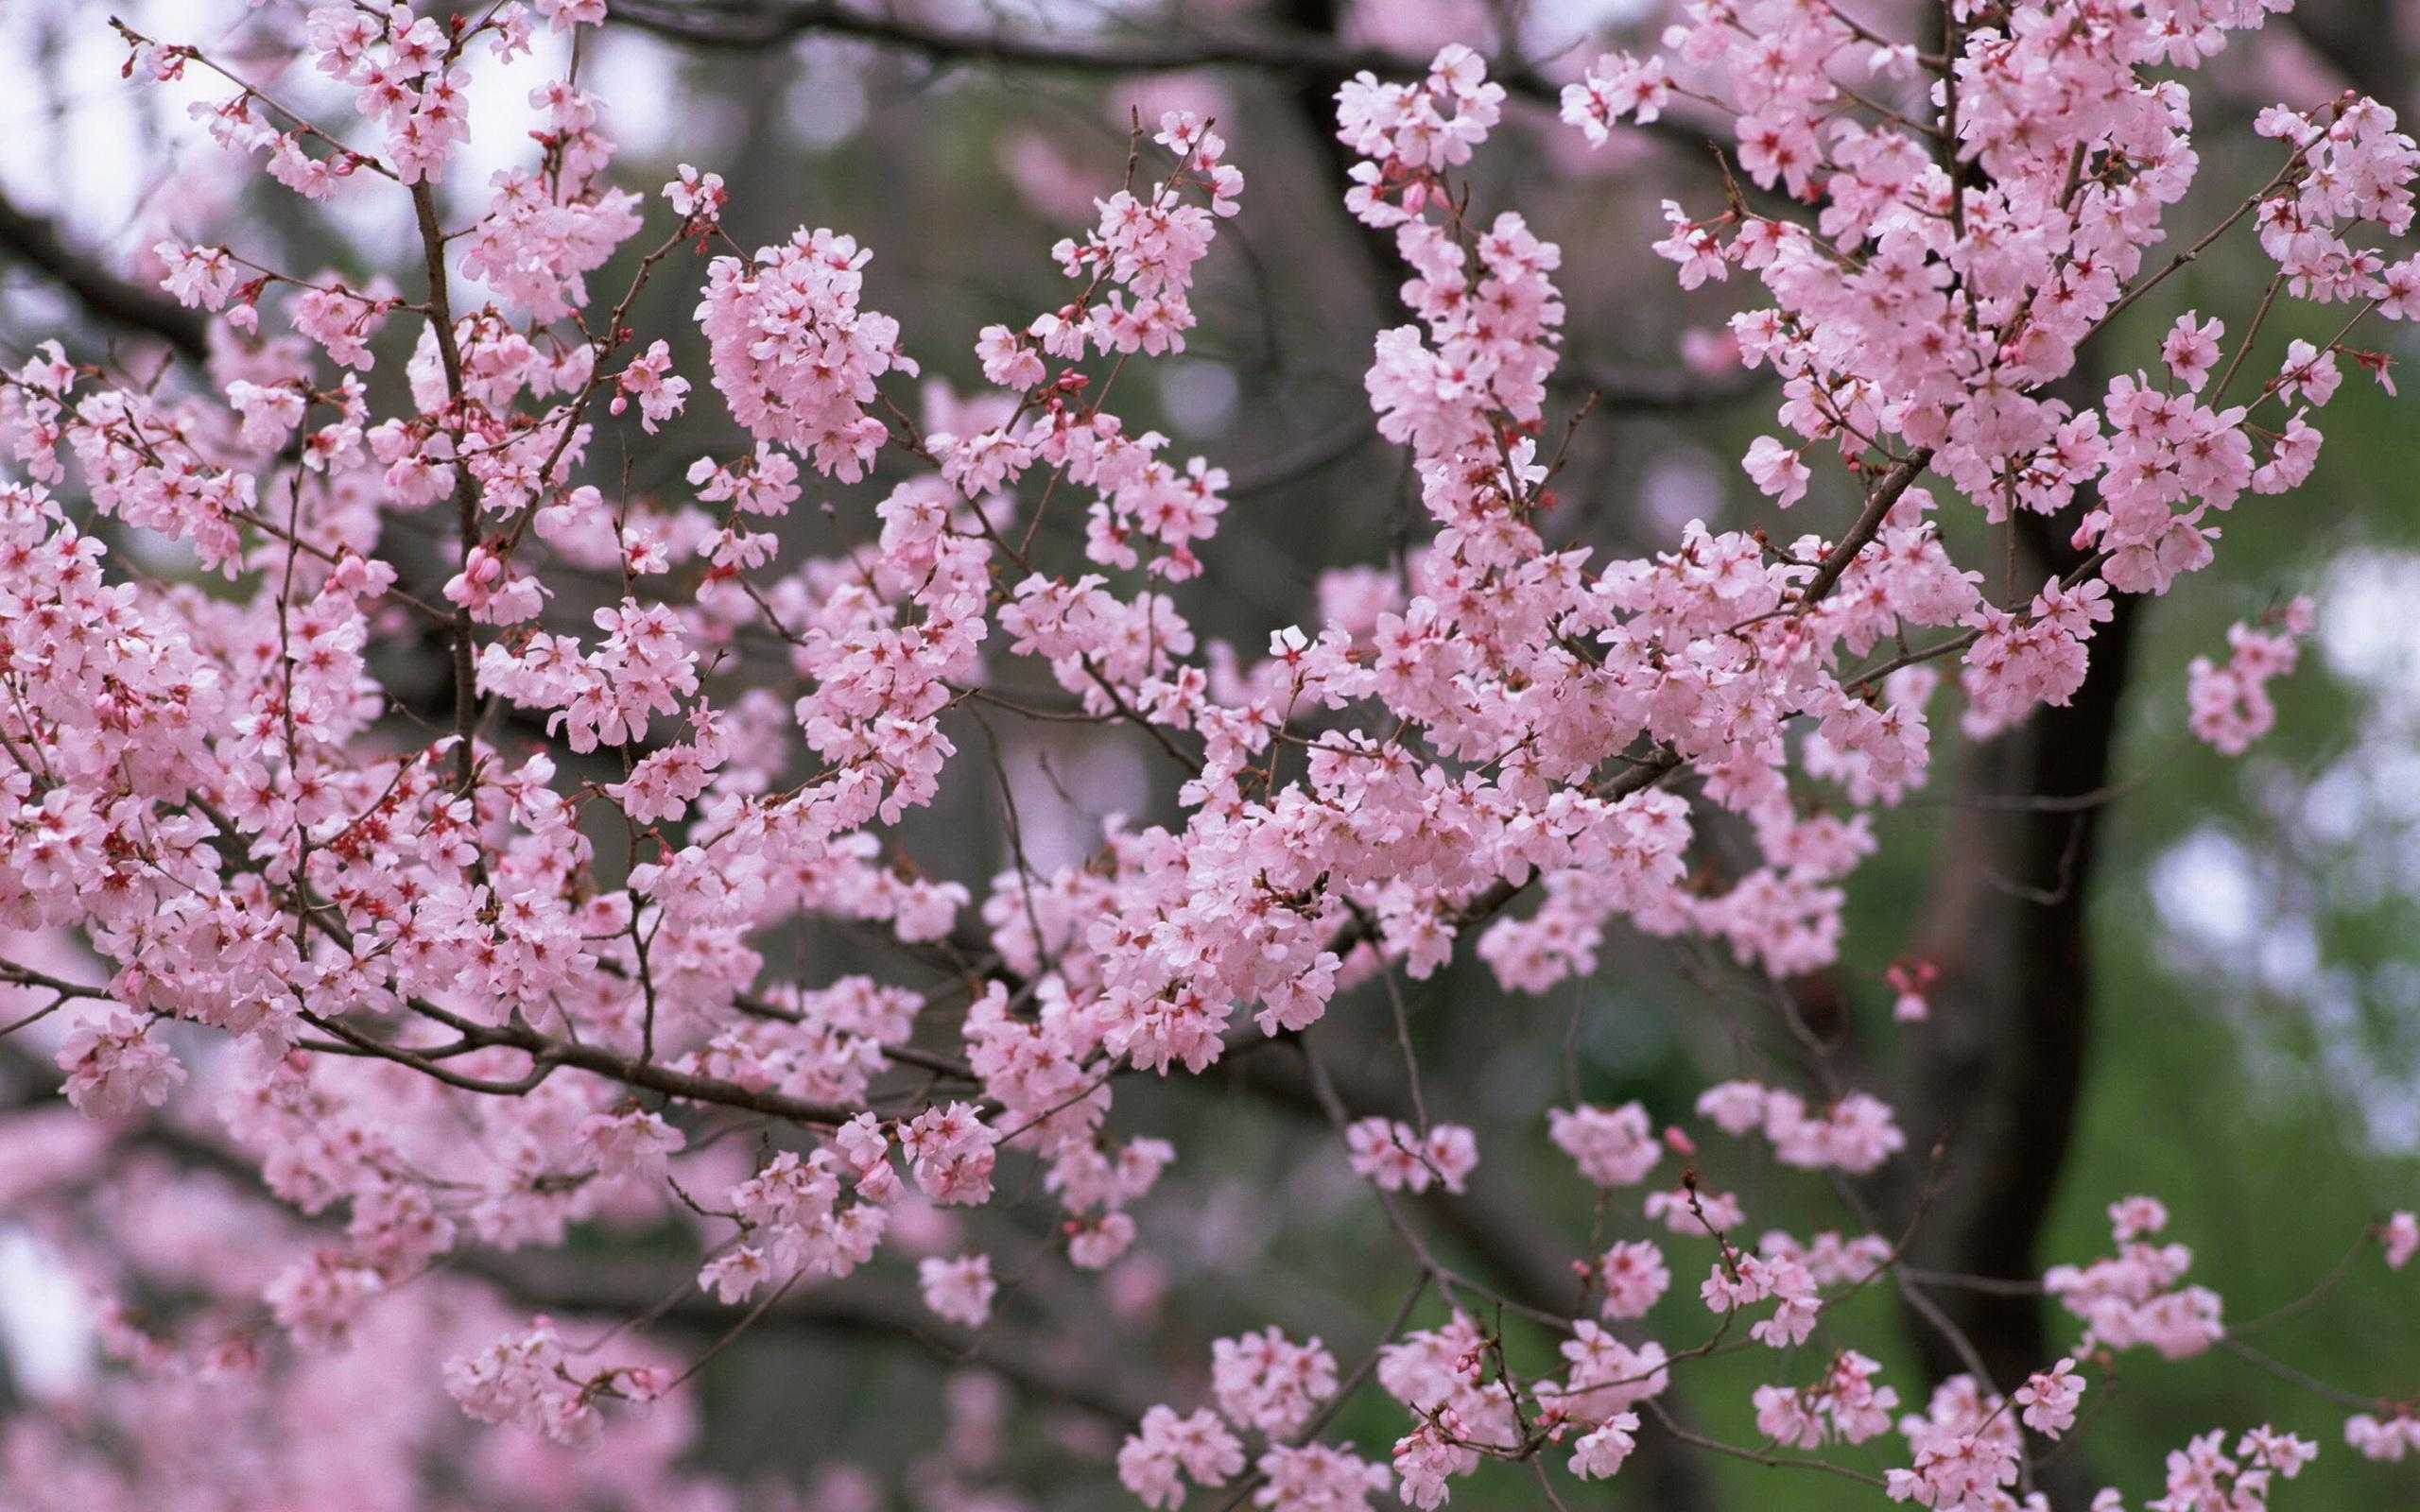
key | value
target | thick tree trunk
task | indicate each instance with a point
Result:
(1998, 1072)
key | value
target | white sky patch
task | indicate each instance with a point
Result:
(2366, 627)
(1682, 487)
(1200, 396)
(45, 1325)
(2205, 887)
(1065, 789)
(120, 162)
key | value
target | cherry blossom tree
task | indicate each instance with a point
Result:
(361, 1020)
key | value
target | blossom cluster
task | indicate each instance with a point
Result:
(2230, 706)
(454, 985)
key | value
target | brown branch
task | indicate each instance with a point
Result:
(466, 488)
(546, 1052)
(752, 25)
(1869, 523)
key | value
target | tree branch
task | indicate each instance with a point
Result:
(748, 24)
(35, 242)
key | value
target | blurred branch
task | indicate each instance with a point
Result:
(1312, 92)
(764, 22)
(754, 24)
(35, 242)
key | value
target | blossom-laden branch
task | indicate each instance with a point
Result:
(474, 988)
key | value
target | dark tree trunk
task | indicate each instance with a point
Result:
(1998, 1072)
